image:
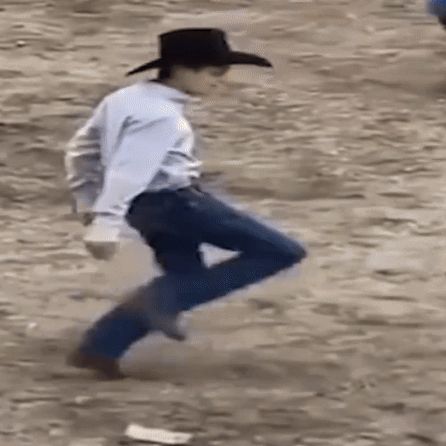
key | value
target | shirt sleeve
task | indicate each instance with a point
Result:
(83, 161)
(138, 158)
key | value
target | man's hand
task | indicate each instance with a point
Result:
(101, 241)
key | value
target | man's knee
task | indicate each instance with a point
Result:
(291, 252)
(285, 252)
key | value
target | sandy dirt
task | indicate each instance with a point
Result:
(343, 147)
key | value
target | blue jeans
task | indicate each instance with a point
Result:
(175, 224)
(436, 7)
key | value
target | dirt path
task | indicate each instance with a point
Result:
(344, 147)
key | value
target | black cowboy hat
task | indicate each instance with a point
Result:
(198, 47)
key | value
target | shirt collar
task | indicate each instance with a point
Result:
(167, 92)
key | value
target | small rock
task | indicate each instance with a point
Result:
(77, 295)
(56, 432)
(82, 399)
(31, 326)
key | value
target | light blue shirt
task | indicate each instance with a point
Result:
(136, 140)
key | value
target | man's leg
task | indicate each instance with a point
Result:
(176, 255)
(262, 252)
(109, 337)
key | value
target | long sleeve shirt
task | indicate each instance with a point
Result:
(136, 140)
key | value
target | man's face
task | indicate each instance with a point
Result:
(201, 81)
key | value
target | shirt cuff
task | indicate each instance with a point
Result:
(110, 221)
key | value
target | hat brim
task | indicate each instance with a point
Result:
(158, 63)
(240, 58)
(233, 58)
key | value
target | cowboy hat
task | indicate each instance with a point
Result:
(198, 47)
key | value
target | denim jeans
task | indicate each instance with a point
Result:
(436, 7)
(175, 224)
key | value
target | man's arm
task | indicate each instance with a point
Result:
(83, 162)
(143, 147)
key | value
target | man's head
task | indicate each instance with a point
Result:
(196, 81)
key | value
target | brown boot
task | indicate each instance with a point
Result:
(106, 367)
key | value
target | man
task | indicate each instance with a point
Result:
(134, 161)
(438, 9)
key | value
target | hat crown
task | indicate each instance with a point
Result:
(194, 46)
(198, 47)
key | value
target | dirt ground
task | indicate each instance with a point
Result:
(342, 147)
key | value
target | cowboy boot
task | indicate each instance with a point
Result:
(106, 367)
